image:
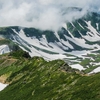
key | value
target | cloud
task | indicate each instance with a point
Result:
(43, 14)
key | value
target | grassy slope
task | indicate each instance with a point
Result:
(36, 79)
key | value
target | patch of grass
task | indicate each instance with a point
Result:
(85, 62)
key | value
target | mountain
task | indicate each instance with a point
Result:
(81, 34)
(77, 42)
(46, 65)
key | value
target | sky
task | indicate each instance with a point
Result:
(43, 14)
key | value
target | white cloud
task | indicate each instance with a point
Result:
(43, 14)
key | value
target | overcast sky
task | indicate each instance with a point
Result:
(42, 14)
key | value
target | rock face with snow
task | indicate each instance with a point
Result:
(79, 35)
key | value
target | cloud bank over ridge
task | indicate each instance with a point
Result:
(43, 14)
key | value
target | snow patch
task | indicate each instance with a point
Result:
(95, 70)
(97, 26)
(93, 32)
(79, 53)
(78, 66)
(2, 86)
(64, 26)
(4, 49)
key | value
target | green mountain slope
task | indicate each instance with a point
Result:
(37, 79)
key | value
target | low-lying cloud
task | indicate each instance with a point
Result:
(43, 14)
